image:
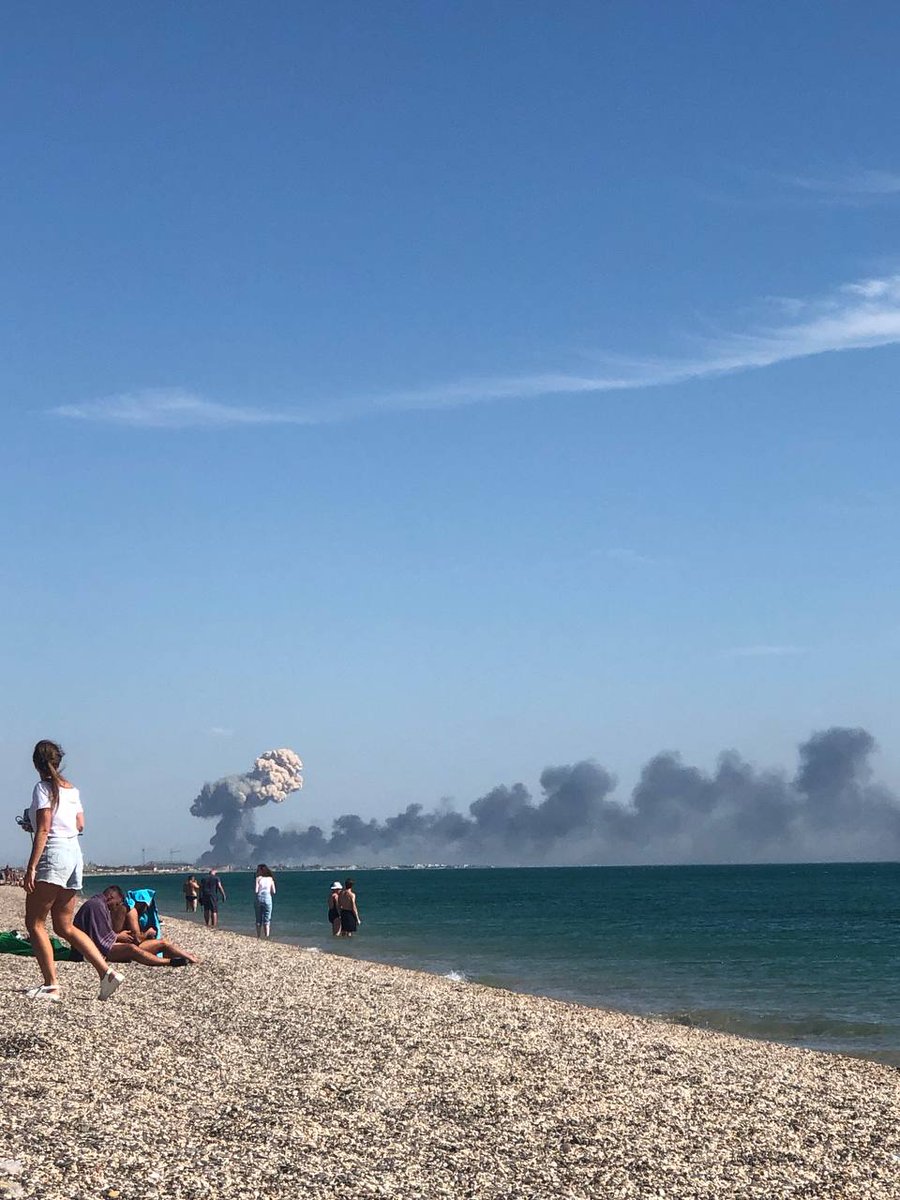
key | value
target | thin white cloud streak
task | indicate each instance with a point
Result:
(173, 408)
(861, 184)
(861, 315)
(765, 651)
(622, 554)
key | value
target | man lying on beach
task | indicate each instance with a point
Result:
(97, 918)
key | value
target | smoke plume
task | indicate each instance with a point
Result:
(830, 809)
(275, 774)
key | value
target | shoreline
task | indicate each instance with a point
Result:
(274, 1071)
(888, 1058)
(788, 1004)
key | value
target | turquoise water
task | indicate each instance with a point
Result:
(808, 955)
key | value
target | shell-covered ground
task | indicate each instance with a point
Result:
(268, 1071)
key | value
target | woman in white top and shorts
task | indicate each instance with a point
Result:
(265, 890)
(53, 874)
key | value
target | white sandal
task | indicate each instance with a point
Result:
(110, 981)
(44, 992)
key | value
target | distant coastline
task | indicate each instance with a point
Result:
(328, 868)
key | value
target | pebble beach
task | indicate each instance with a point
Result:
(271, 1071)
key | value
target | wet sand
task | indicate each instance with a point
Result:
(268, 1071)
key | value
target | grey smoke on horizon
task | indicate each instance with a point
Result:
(829, 809)
(272, 778)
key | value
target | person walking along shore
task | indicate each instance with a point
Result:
(54, 874)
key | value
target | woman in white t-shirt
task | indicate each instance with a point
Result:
(264, 891)
(53, 874)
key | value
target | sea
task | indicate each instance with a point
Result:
(807, 955)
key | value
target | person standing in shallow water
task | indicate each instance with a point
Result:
(53, 874)
(191, 891)
(350, 920)
(210, 890)
(334, 913)
(265, 890)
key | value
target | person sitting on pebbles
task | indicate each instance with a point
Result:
(98, 918)
(141, 917)
(146, 925)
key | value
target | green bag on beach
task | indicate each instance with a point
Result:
(13, 942)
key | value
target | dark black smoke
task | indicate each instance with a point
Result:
(676, 814)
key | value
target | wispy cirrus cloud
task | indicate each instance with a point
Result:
(631, 558)
(174, 408)
(854, 186)
(765, 651)
(860, 315)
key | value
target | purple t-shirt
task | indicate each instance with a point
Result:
(93, 919)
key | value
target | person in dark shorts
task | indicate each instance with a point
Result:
(210, 890)
(350, 921)
(191, 891)
(334, 913)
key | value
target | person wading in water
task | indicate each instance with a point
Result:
(350, 920)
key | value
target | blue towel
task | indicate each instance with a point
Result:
(150, 915)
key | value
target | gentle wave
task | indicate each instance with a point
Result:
(799, 954)
(805, 1028)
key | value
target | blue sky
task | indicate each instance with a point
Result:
(442, 391)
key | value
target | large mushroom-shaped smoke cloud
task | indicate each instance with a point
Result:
(275, 774)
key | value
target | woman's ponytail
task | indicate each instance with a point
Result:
(47, 759)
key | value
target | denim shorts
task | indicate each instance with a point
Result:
(264, 910)
(61, 863)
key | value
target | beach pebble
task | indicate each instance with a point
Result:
(268, 1072)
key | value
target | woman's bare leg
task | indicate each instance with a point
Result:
(62, 912)
(37, 909)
